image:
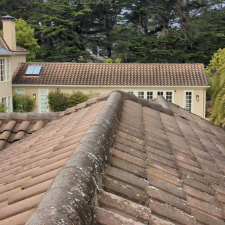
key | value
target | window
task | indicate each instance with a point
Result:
(5, 70)
(159, 93)
(4, 101)
(7, 101)
(9, 108)
(149, 95)
(188, 100)
(20, 91)
(33, 70)
(131, 92)
(141, 94)
(169, 96)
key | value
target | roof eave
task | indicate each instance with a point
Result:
(112, 86)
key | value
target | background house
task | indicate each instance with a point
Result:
(182, 84)
(10, 56)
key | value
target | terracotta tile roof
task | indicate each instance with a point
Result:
(16, 126)
(116, 159)
(113, 74)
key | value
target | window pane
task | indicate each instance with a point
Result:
(131, 92)
(9, 105)
(37, 70)
(169, 96)
(30, 70)
(188, 97)
(149, 95)
(20, 91)
(8, 70)
(141, 94)
(2, 69)
(4, 101)
(160, 93)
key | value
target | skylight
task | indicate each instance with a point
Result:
(33, 70)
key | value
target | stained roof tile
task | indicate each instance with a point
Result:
(159, 168)
(113, 75)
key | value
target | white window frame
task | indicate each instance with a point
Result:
(142, 94)
(7, 70)
(135, 92)
(8, 107)
(192, 99)
(39, 99)
(20, 89)
(164, 93)
(147, 95)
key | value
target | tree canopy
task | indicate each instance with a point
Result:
(25, 38)
(176, 31)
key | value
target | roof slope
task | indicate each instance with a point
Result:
(116, 159)
(16, 126)
(4, 48)
(113, 74)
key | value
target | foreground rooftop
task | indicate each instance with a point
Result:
(116, 159)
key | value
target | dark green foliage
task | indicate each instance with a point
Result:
(146, 31)
(2, 108)
(76, 98)
(22, 103)
(58, 101)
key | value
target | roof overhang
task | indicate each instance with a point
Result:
(106, 86)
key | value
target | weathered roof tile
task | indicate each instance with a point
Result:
(119, 75)
(119, 160)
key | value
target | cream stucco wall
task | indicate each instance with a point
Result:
(6, 86)
(178, 94)
(15, 59)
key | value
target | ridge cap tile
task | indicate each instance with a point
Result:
(170, 168)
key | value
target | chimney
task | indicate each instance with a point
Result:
(9, 32)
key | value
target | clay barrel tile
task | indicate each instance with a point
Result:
(5, 135)
(38, 125)
(10, 125)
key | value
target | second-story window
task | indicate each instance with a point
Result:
(5, 70)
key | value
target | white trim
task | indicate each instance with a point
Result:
(86, 86)
(6, 75)
(39, 100)
(15, 53)
(7, 102)
(192, 100)
(135, 92)
(3, 42)
(20, 89)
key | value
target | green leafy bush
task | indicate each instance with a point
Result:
(109, 60)
(2, 108)
(92, 94)
(22, 103)
(58, 101)
(76, 98)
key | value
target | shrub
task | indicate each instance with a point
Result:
(22, 103)
(2, 108)
(92, 94)
(117, 60)
(109, 60)
(76, 98)
(58, 101)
